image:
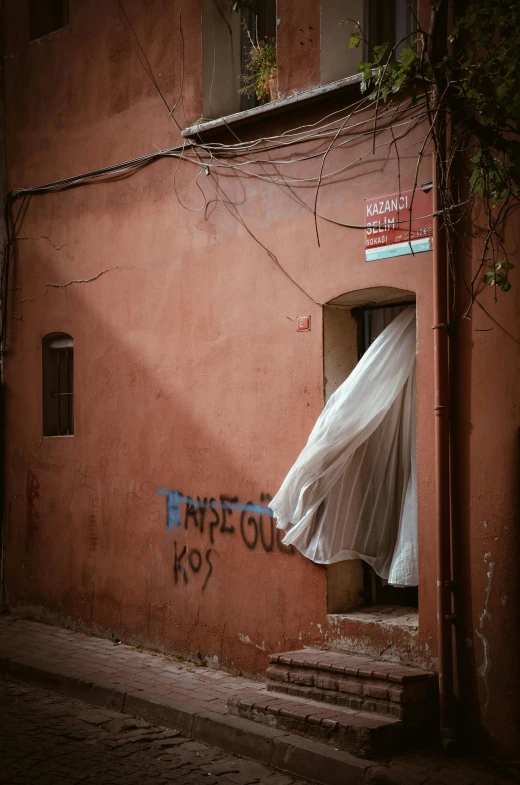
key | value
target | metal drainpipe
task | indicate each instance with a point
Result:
(3, 601)
(442, 470)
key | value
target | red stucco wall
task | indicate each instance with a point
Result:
(190, 375)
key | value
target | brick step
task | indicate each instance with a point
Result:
(358, 683)
(359, 733)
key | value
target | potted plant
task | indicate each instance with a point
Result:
(259, 78)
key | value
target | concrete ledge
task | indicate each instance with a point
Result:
(36, 673)
(170, 712)
(99, 693)
(237, 735)
(317, 762)
(273, 107)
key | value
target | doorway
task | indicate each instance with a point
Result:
(348, 333)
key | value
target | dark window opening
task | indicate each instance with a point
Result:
(391, 21)
(58, 384)
(46, 16)
(371, 322)
(258, 25)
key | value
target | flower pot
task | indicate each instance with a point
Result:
(273, 87)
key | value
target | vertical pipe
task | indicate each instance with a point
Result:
(58, 397)
(442, 460)
(3, 599)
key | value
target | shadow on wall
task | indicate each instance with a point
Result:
(87, 521)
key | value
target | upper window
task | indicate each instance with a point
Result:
(46, 16)
(238, 40)
(58, 384)
(382, 21)
(258, 30)
(390, 21)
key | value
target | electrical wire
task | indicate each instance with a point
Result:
(342, 127)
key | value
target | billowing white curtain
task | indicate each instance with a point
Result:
(352, 492)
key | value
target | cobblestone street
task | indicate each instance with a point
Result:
(51, 740)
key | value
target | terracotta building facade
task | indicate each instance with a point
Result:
(174, 330)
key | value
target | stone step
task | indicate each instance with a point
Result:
(360, 733)
(358, 683)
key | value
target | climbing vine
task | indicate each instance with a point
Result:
(468, 68)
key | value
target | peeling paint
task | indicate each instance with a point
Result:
(485, 613)
(247, 639)
(484, 667)
(213, 662)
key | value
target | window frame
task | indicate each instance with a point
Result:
(402, 24)
(57, 385)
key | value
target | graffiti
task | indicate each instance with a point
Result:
(255, 526)
(84, 476)
(110, 451)
(32, 495)
(194, 561)
(196, 452)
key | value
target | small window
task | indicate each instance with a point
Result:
(392, 22)
(46, 16)
(258, 25)
(58, 384)
(227, 31)
(382, 21)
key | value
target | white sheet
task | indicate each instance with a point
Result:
(352, 492)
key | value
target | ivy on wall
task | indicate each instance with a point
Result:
(469, 69)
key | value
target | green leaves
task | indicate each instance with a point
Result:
(409, 55)
(365, 69)
(499, 275)
(388, 76)
(355, 40)
(477, 81)
(260, 67)
(380, 52)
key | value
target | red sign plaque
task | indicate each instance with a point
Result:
(390, 232)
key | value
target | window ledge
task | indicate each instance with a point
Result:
(387, 615)
(271, 108)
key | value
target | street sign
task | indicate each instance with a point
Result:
(399, 223)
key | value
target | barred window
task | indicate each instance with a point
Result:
(58, 384)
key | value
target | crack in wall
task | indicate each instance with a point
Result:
(43, 237)
(81, 280)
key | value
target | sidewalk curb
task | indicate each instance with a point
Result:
(293, 755)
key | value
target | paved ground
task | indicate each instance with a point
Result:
(183, 696)
(48, 739)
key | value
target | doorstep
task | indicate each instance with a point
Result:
(360, 733)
